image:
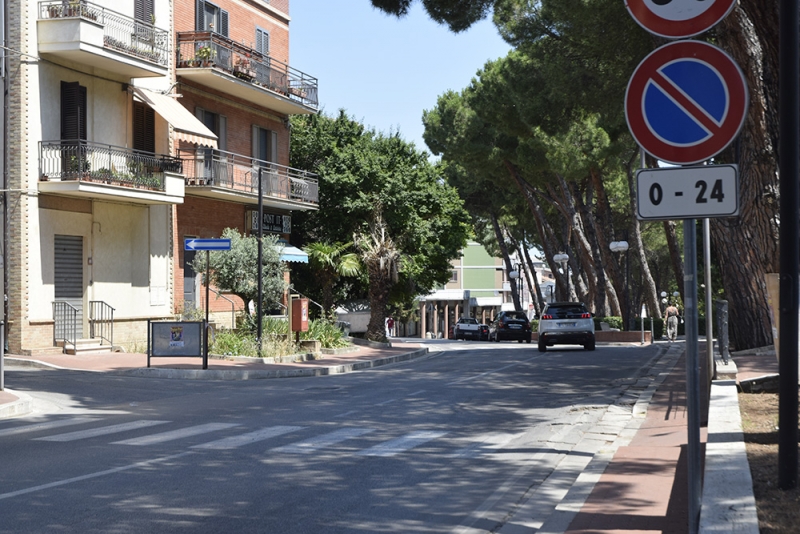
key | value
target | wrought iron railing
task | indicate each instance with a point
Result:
(95, 162)
(207, 49)
(218, 168)
(120, 32)
(65, 324)
(101, 321)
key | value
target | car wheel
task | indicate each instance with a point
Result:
(519, 341)
(589, 346)
(542, 346)
(528, 340)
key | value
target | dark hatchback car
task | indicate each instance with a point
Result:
(510, 325)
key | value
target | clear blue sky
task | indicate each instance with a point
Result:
(382, 70)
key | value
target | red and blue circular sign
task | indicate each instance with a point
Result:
(686, 102)
(676, 19)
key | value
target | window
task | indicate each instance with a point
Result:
(144, 11)
(262, 41)
(216, 123)
(210, 17)
(265, 144)
(144, 119)
(454, 276)
(73, 111)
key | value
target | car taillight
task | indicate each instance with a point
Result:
(500, 324)
(547, 316)
(586, 316)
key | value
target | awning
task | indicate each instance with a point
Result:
(486, 302)
(186, 126)
(290, 253)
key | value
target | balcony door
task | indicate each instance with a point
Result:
(265, 149)
(74, 160)
(213, 164)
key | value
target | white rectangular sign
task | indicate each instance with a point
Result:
(688, 192)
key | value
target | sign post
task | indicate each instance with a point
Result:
(208, 245)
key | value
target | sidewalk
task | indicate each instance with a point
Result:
(639, 485)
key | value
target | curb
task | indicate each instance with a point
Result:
(21, 406)
(258, 374)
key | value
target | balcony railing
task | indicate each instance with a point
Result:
(207, 167)
(121, 33)
(95, 162)
(207, 49)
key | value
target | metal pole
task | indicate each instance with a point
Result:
(692, 372)
(259, 311)
(208, 305)
(709, 304)
(789, 87)
(2, 354)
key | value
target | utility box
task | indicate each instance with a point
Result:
(300, 315)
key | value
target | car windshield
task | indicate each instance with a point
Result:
(468, 321)
(516, 317)
(567, 310)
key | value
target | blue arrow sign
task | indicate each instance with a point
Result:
(206, 244)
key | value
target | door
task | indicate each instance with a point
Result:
(68, 279)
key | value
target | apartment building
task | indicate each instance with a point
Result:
(117, 148)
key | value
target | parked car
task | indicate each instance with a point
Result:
(566, 323)
(510, 325)
(469, 328)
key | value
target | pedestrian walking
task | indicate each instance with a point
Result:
(672, 322)
(389, 327)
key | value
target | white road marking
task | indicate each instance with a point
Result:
(484, 445)
(91, 475)
(420, 392)
(175, 434)
(345, 414)
(246, 439)
(102, 431)
(384, 403)
(36, 427)
(325, 440)
(402, 444)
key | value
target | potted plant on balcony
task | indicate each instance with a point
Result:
(205, 54)
(55, 11)
(243, 68)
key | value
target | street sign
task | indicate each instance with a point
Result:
(687, 192)
(206, 244)
(675, 19)
(686, 102)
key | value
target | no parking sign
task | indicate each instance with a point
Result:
(686, 102)
(675, 19)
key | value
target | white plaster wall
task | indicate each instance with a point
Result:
(41, 246)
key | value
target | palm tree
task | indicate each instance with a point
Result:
(329, 262)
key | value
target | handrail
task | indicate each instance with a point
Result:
(80, 160)
(205, 166)
(209, 49)
(233, 306)
(101, 321)
(65, 324)
(120, 32)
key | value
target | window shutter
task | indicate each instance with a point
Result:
(262, 41)
(222, 134)
(223, 22)
(273, 146)
(144, 119)
(200, 16)
(144, 10)
(254, 142)
(73, 111)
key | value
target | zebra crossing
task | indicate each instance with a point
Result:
(315, 441)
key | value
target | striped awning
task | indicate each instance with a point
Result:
(290, 253)
(185, 125)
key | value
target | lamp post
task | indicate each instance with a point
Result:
(563, 259)
(515, 275)
(622, 246)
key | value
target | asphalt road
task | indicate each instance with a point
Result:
(449, 443)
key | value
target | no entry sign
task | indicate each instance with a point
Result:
(675, 19)
(686, 102)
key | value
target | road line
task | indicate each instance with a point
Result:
(386, 402)
(36, 427)
(416, 393)
(92, 475)
(175, 434)
(325, 440)
(102, 431)
(246, 439)
(493, 371)
(402, 444)
(345, 414)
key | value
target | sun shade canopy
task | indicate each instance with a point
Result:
(186, 126)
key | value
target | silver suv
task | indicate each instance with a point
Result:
(566, 323)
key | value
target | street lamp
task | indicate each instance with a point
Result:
(516, 274)
(563, 259)
(622, 246)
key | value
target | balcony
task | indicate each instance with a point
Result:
(98, 171)
(232, 177)
(219, 63)
(90, 34)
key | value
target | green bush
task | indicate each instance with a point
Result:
(327, 333)
(276, 342)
